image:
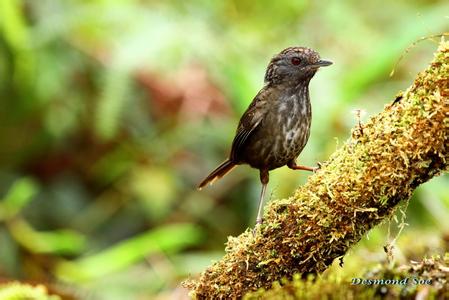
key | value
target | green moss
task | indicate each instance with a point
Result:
(433, 270)
(359, 186)
(20, 291)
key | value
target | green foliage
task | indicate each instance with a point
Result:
(17, 197)
(111, 104)
(112, 111)
(62, 241)
(117, 257)
(20, 291)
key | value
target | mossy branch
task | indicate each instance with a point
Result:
(359, 186)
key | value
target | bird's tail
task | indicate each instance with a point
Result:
(219, 172)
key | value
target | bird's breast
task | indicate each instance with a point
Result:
(295, 120)
(282, 134)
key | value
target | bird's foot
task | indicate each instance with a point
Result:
(294, 166)
(315, 169)
(259, 222)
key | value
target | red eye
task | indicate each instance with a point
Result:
(296, 61)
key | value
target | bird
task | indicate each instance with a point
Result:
(275, 127)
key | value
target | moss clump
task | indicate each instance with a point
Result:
(431, 274)
(358, 187)
(20, 291)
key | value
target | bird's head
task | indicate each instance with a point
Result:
(294, 65)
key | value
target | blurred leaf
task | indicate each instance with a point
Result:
(18, 196)
(243, 89)
(13, 24)
(62, 241)
(170, 238)
(435, 200)
(194, 263)
(382, 58)
(9, 258)
(111, 103)
(156, 190)
(113, 164)
(14, 28)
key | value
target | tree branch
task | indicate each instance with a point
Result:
(359, 186)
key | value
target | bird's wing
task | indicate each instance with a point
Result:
(250, 120)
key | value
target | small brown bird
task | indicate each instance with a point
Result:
(276, 126)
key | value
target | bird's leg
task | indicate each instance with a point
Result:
(264, 177)
(292, 165)
(259, 218)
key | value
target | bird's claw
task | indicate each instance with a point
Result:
(254, 231)
(259, 222)
(318, 167)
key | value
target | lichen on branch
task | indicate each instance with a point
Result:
(360, 185)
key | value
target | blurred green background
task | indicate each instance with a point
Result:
(112, 111)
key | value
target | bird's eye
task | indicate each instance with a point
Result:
(296, 61)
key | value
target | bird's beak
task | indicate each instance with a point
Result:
(321, 63)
